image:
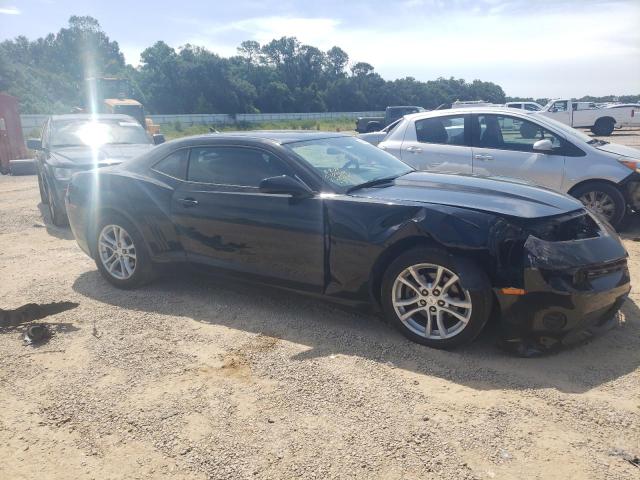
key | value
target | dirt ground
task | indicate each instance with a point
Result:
(193, 377)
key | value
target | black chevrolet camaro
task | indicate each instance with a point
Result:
(331, 215)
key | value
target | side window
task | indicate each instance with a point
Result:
(530, 107)
(238, 166)
(560, 106)
(511, 133)
(516, 105)
(444, 130)
(175, 164)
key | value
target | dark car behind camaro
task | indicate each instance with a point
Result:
(76, 142)
(332, 215)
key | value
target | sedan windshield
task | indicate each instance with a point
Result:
(347, 162)
(75, 133)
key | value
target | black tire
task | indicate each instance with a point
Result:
(603, 126)
(43, 193)
(480, 297)
(57, 213)
(595, 190)
(528, 130)
(143, 272)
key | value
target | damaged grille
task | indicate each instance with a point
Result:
(603, 270)
(573, 226)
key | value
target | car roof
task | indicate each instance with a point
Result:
(463, 110)
(277, 136)
(89, 116)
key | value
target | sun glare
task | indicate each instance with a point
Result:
(93, 134)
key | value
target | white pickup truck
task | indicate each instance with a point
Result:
(601, 121)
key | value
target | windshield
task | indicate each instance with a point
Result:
(346, 162)
(81, 132)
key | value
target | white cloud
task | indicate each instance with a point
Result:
(9, 10)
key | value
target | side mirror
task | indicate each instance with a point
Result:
(543, 145)
(34, 144)
(158, 138)
(284, 185)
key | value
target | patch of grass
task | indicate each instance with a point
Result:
(178, 130)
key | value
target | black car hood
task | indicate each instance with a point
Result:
(480, 193)
(74, 157)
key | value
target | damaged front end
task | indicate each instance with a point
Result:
(573, 279)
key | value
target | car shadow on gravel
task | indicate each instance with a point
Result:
(327, 329)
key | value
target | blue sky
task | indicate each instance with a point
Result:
(545, 48)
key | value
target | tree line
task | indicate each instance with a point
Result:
(284, 75)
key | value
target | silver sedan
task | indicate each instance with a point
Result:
(507, 143)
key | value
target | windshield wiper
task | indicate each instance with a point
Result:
(372, 183)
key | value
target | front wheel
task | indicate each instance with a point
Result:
(121, 254)
(57, 213)
(43, 193)
(427, 299)
(603, 199)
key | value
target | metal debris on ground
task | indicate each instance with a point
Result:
(37, 334)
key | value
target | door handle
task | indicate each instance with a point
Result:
(480, 156)
(414, 149)
(189, 202)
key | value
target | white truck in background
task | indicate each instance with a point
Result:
(634, 121)
(601, 121)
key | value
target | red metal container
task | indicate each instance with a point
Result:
(11, 140)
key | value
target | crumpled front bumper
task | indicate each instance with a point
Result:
(574, 290)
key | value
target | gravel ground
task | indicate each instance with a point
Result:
(193, 377)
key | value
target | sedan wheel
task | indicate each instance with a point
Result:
(117, 252)
(601, 203)
(435, 299)
(430, 301)
(603, 199)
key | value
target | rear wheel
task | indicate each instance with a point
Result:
(603, 199)
(121, 254)
(528, 130)
(425, 297)
(603, 126)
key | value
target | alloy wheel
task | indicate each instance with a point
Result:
(117, 252)
(430, 301)
(600, 202)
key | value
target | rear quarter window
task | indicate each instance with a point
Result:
(174, 164)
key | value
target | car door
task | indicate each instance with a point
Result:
(503, 146)
(224, 220)
(438, 144)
